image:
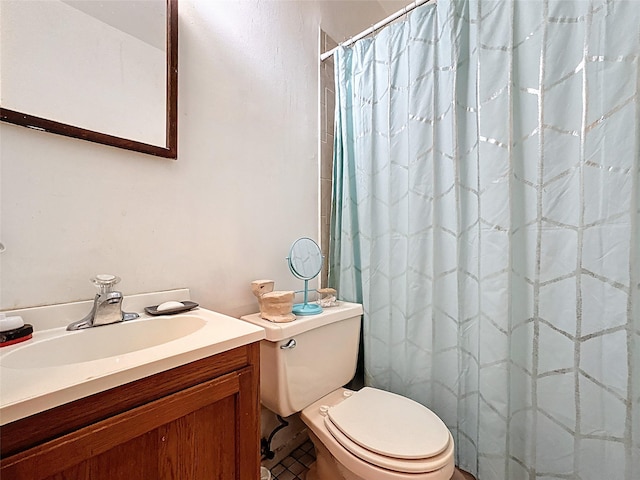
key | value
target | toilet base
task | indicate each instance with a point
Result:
(325, 467)
(462, 475)
(322, 469)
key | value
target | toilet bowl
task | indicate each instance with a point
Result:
(370, 434)
(373, 434)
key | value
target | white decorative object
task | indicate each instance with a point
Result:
(328, 297)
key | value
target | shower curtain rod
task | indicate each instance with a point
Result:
(375, 27)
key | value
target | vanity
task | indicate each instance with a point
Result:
(184, 406)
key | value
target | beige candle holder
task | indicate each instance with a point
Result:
(275, 306)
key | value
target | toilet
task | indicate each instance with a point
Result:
(368, 434)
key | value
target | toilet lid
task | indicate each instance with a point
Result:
(422, 465)
(390, 425)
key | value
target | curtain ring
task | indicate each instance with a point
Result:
(347, 41)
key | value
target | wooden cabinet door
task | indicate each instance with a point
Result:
(196, 434)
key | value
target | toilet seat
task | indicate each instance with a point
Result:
(425, 465)
(390, 431)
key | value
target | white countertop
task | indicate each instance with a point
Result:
(26, 391)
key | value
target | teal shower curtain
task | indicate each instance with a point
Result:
(486, 212)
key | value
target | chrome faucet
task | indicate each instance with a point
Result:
(107, 305)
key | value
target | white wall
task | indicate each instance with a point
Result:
(244, 187)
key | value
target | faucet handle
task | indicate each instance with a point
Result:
(104, 282)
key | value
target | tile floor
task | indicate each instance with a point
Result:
(296, 465)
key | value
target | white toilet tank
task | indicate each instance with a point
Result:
(303, 360)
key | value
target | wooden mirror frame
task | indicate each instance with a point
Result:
(170, 150)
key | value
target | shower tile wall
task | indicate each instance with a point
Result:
(327, 104)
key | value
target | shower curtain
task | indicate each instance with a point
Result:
(485, 212)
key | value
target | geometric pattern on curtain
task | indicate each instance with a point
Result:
(486, 212)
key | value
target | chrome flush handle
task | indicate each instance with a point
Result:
(289, 345)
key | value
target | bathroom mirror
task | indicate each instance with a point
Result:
(305, 262)
(105, 71)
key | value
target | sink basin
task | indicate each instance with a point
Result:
(101, 342)
(56, 367)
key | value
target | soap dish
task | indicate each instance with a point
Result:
(153, 310)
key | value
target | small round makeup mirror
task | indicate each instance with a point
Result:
(305, 262)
